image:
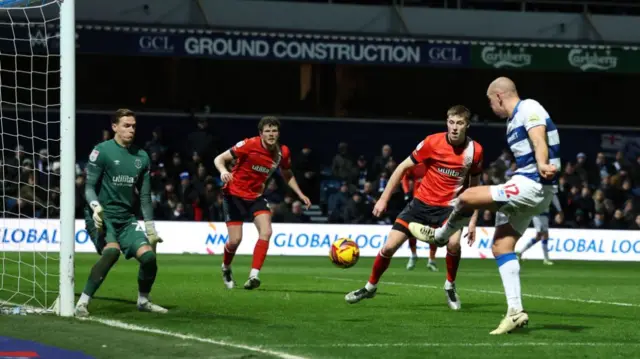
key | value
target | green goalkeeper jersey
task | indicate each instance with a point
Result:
(114, 175)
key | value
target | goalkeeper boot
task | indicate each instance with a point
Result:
(227, 278)
(512, 321)
(412, 262)
(81, 310)
(452, 295)
(252, 283)
(150, 307)
(360, 294)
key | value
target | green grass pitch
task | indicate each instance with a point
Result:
(576, 309)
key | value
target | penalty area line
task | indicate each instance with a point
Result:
(460, 345)
(137, 328)
(536, 296)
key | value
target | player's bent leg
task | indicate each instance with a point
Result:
(480, 197)
(453, 261)
(505, 238)
(146, 277)
(234, 229)
(98, 273)
(396, 238)
(262, 220)
(413, 244)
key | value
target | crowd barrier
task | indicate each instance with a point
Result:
(315, 239)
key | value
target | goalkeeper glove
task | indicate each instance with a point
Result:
(152, 235)
(98, 214)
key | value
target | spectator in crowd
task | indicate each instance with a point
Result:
(204, 142)
(155, 145)
(342, 166)
(357, 211)
(306, 169)
(581, 168)
(380, 162)
(337, 202)
(364, 172)
(618, 221)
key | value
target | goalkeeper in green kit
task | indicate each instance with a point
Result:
(116, 170)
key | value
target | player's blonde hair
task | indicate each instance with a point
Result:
(461, 111)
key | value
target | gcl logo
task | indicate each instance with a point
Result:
(445, 55)
(155, 44)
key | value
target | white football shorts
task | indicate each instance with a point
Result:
(521, 199)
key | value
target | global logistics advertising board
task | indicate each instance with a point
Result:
(315, 239)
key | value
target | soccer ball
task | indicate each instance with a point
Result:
(344, 253)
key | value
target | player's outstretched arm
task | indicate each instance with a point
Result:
(394, 181)
(95, 169)
(146, 207)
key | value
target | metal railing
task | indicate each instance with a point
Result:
(572, 6)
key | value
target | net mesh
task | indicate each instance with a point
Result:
(30, 157)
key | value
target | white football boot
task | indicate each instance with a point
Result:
(360, 294)
(512, 321)
(81, 310)
(227, 278)
(452, 295)
(151, 308)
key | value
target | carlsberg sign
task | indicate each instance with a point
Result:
(592, 59)
(500, 57)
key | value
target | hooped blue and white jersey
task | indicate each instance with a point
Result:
(527, 115)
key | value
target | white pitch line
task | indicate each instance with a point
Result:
(138, 328)
(577, 300)
(388, 345)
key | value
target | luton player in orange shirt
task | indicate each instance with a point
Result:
(257, 159)
(410, 184)
(452, 162)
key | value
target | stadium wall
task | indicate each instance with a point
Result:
(314, 240)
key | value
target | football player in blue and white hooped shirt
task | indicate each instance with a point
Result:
(535, 143)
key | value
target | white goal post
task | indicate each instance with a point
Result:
(37, 158)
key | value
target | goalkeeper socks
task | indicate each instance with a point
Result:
(380, 265)
(100, 270)
(229, 252)
(453, 261)
(413, 244)
(147, 272)
(509, 268)
(259, 255)
(545, 249)
(84, 299)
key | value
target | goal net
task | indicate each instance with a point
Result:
(35, 158)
